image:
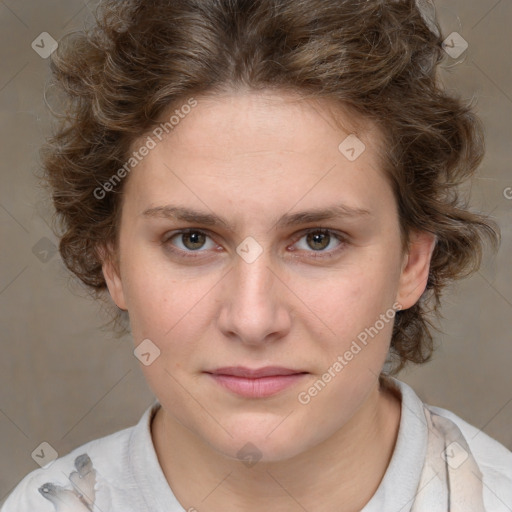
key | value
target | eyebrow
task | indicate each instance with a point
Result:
(289, 219)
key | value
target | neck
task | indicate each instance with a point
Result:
(341, 474)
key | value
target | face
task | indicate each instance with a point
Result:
(262, 286)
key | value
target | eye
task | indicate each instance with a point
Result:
(320, 239)
(197, 241)
(192, 240)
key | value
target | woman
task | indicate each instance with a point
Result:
(268, 191)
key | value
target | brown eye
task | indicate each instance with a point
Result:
(191, 240)
(318, 243)
(318, 240)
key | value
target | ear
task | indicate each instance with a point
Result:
(112, 275)
(415, 268)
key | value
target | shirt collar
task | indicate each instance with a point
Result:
(399, 485)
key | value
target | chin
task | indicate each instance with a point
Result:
(254, 445)
(253, 452)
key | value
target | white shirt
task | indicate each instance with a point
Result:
(440, 463)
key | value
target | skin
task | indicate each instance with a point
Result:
(251, 158)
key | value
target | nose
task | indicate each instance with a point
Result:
(255, 302)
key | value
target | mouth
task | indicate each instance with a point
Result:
(256, 383)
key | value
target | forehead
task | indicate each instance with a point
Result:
(259, 144)
(248, 120)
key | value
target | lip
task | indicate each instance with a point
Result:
(267, 371)
(256, 383)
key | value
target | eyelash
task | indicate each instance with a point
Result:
(320, 254)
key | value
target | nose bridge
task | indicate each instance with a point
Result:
(253, 307)
(253, 279)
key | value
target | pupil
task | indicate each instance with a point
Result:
(195, 238)
(317, 238)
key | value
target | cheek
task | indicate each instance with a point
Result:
(350, 300)
(166, 305)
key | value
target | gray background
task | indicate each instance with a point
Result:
(65, 381)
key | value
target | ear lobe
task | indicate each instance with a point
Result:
(415, 270)
(112, 276)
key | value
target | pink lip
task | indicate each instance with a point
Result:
(257, 383)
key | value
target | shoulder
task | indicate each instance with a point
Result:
(73, 481)
(493, 458)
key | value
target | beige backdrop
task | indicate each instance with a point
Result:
(65, 382)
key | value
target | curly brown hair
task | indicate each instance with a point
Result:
(377, 58)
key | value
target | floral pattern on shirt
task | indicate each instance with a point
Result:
(80, 497)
